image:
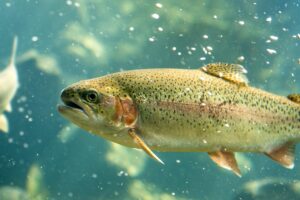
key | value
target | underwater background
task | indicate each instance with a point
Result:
(63, 41)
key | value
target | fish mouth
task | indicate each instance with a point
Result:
(70, 106)
(73, 105)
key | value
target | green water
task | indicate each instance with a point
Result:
(61, 42)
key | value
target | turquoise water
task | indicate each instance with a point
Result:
(60, 42)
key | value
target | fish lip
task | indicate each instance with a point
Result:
(71, 105)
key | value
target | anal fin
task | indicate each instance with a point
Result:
(284, 155)
(225, 160)
(3, 124)
(143, 145)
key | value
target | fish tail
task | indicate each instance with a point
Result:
(13, 52)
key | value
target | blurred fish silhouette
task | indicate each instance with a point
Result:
(8, 87)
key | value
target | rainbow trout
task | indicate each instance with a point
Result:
(211, 109)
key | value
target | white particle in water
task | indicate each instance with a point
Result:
(178, 161)
(269, 19)
(209, 48)
(10, 140)
(242, 23)
(120, 173)
(226, 125)
(173, 48)
(131, 28)
(179, 53)
(155, 16)
(69, 2)
(158, 5)
(160, 29)
(268, 41)
(94, 175)
(202, 58)
(271, 51)
(77, 4)
(285, 29)
(7, 4)
(173, 193)
(205, 36)
(293, 75)
(34, 38)
(241, 58)
(204, 141)
(25, 145)
(273, 37)
(215, 17)
(151, 39)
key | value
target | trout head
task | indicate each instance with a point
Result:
(99, 108)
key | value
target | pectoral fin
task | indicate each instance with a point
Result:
(284, 155)
(225, 160)
(143, 145)
(234, 73)
(3, 124)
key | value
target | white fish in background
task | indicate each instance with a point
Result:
(8, 87)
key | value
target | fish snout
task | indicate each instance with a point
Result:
(67, 94)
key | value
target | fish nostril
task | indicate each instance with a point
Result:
(66, 94)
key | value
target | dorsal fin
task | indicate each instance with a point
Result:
(284, 155)
(13, 52)
(294, 97)
(225, 160)
(234, 73)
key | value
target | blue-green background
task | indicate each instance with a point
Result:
(68, 168)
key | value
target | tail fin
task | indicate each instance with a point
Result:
(13, 52)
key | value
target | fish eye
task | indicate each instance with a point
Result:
(92, 96)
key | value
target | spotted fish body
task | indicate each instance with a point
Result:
(181, 110)
(188, 110)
